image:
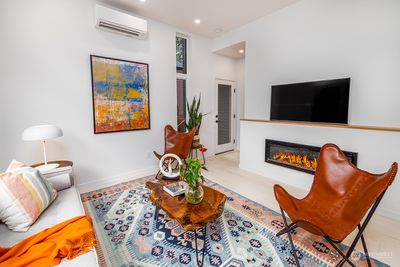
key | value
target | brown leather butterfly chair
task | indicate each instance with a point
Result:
(340, 197)
(176, 143)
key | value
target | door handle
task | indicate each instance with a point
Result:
(217, 121)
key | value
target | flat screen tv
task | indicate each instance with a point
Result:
(319, 101)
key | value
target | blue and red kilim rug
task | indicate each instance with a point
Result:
(133, 232)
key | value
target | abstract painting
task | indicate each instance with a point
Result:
(120, 95)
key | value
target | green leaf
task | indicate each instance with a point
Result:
(191, 173)
(195, 117)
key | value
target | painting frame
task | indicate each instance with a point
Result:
(93, 81)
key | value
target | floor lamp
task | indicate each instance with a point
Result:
(42, 133)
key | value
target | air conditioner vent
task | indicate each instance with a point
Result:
(118, 22)
(113, 27)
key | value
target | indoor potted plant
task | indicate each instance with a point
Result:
(191, 174)
(195, 119)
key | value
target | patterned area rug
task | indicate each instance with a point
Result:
(133, 232)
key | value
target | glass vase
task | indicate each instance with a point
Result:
(194, 195)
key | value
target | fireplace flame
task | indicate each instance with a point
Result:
(298, 160)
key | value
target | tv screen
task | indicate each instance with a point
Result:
(319, 101)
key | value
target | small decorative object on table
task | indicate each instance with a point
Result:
(175, 189)
(191, 174)
(203, 149)
(170, 166)
(194, 154)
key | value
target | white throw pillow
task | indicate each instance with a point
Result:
(24, 195)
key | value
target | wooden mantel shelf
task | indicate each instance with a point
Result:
(346, 126)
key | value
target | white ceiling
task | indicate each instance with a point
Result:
(223, 15)
(233, 51)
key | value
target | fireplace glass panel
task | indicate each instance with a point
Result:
(296, 156)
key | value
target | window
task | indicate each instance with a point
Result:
(181, 81)
(181, 49)
(181, 104)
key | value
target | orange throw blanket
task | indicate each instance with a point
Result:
(68, 239)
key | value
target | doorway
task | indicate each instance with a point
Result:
(225, 116)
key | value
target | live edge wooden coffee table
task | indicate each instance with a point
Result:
(190, 217)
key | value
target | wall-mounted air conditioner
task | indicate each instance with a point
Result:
(118, 22)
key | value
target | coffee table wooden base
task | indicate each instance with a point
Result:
(189, 216)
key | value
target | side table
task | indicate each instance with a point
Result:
(60, 177)
(63, 163)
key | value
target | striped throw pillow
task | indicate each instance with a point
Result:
(24, 195)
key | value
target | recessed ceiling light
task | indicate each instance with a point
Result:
(197, 21)
(218, 30)
(143, 1)
(241, 51)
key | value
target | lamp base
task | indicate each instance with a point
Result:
(46, 167)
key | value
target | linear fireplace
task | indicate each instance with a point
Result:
(296, 156)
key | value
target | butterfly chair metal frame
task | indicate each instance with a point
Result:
(345, 257)
(361, 226)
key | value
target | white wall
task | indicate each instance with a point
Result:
(213, 67)
(45, 78)
(229, 69)
(240, 88)
(206, 67)
(323, 39)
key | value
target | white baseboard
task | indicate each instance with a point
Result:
(388, 213)
(91, 186)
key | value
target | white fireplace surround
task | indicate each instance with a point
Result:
(377, 150)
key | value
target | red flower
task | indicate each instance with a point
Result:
(203, 149)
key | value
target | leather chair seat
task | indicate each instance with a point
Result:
(176, 143)
(339, 198)
(340, 195)
(308, 215)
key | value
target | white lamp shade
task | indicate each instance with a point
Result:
(41, 132)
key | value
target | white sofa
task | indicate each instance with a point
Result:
(66, 206)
